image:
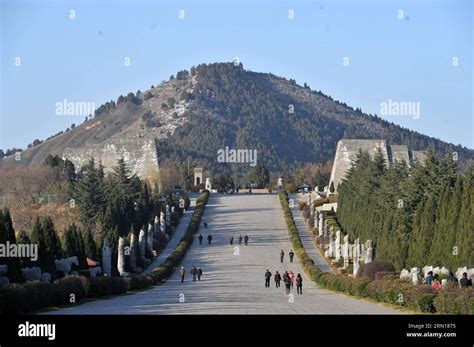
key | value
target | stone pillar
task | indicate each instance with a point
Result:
(162, 222)
(149, 242)
(415, 276)
(208, 184)
(331, 244)
(369, 251)
(320, 225)
(133, 251)
(142, 244)
(168, 216)
(337, 247)
(345, 252)
(157, 224)
(107, 258)
(356, 253)
(121, 256)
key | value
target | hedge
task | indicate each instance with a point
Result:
(33, 295)
(385, 288)
(303, 257)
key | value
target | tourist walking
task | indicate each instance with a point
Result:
(200, 239)
(231, 240)
(246, 239)
(277, 279)
(199, 273)
(209, 239)
(286, 279)
(291, 274)
(182, 272)
(205, 225)
(464, 281)
(282, 255)
(194, 273)
(268, 276)
(291, 254)
(240, 239)
(299, 284)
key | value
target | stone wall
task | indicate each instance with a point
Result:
(139, 154)
(347, 151)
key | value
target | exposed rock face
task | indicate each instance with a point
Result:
(347, 151)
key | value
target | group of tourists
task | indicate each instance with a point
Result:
(245, 239)
(289, 279)
(209, 239)
(291, 254)
(435, 282)
(195, 272)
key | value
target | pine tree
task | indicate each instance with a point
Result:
(90, 246)
(7, 234)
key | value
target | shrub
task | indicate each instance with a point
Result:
(454, 301)
(105, 286)
(64, 287)
(370, 269)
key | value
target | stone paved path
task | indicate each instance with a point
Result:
(233, 282)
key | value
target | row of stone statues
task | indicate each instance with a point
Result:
(336, 249)
(141, 248)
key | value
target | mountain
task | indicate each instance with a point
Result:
(200, 111)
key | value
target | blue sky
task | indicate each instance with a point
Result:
(82, 59)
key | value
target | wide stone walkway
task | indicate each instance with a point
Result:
(233, 279)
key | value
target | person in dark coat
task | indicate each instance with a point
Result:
(194, 273)
(299, 284)
(287, 280)
(291, 254)
(200, 239)
(231, 240)
(182, 272)
(464, 281)
(246, 239)
(240, 239)
(199, 273)
(205, 225)
(268, 276)
(209, 239)
(277, 279)
(282, 255)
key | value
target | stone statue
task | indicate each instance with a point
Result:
(345, 252)
(157, 224)
(320, 227)
(150, 238)
(64, 265)
(405, 275)
(337, 247)
(168, 216)
(142, 244)
(163, 222)
(121, 256)
(31, 273)
(133, 251)
(107, 258)
(356, 253)
(415, 276)
(369, 251)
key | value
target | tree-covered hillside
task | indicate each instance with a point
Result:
(285, 122)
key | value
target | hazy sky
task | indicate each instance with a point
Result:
(409, 56)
